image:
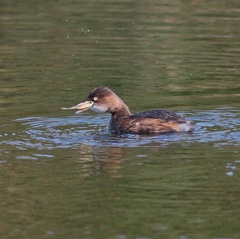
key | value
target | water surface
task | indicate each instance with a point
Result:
(64, 175)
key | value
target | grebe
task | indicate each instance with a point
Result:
(102, 99)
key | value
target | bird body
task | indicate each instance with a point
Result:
(102, 99)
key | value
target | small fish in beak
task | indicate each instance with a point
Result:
(83, 106)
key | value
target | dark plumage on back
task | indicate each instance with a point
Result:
(166, 115)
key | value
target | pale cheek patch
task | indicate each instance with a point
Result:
(99, 109)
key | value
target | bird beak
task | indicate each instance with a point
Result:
(86, 105)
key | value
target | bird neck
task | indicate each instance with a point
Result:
(119, 109)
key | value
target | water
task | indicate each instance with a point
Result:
(64, 175)
(219, 127)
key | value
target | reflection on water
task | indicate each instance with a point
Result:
(72, 171)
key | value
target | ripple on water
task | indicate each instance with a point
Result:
(220, 127)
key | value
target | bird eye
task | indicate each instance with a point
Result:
(95, 98)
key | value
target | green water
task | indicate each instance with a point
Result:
(64, 175)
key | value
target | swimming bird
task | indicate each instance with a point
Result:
(102, 99)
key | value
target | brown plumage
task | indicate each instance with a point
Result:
(102, 99)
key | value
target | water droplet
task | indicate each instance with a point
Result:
(50, 232)
(142, 155)
(230, 174)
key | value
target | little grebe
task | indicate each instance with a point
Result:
(102, 99)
